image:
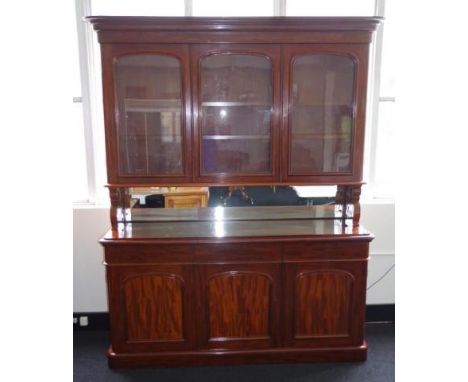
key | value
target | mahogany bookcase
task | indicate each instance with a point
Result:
(235, 102)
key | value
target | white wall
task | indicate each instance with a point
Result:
(379, 218)
(90, 223)
(89, 285)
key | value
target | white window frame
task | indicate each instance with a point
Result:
(93, 113)
(91, 102)
(371, 192)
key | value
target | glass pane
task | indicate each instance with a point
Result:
(236, 102)
(330, 8)
(137, 8)
(321, 114)
(150, 111)
(233, 8)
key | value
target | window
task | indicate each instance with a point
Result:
(89, 131)
(80, 178)
(330, 8)
(138, 7)
(232, 8)
(382, 170)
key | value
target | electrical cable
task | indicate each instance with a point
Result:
(381, 277)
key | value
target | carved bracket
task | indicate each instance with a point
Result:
(349, 195)
(340, 195)
(120, 204)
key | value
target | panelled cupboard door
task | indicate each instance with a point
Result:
(324, 91)
(325, 303)
(147, 113)
(240, 305)
(151, 307)
(236, 100)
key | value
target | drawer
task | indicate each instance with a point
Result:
(336, 250)
(148, 253)
(235, 253)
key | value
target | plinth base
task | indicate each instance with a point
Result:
(237, 357)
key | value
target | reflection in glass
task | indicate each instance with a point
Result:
(150, 111)
(236, 102)
(321, 114)
(219, 213)
(219, 228)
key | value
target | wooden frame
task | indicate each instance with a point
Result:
(110, 53)
(359, 53)
(272, 52)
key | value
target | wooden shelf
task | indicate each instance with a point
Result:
(178, 136)
(321, 105)
(211, 214)
(235, 103)
(320, 135)
(305, 228)
(152, 105)
(231, 137)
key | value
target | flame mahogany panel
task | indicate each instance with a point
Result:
(153, 307)
(326, 302)
(239, 305)
(322, 302)
(150, 306)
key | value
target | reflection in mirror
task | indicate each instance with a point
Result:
(219, 213)
(236, 196)
(219, 228)
(234, 203)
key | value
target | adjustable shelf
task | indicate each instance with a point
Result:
(152, 105)
(228, 137)
(235, 103)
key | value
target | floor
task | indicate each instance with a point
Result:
(90, 364)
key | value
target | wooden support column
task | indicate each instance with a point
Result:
(126, 199)
(349, 195)
(340, 198)
(116, 198)
(354, 194)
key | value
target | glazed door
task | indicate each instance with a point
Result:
(151, 307)
(239, 305)
(325, 303)
(147, 113)
(236, 91)
(323, 112)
